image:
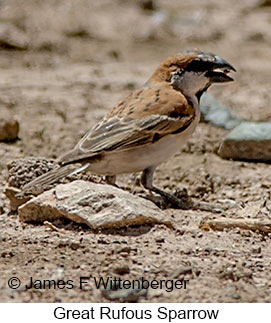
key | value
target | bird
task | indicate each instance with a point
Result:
(147, 127)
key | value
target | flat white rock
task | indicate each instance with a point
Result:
(97, 205)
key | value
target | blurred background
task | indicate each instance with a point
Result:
(63, 63)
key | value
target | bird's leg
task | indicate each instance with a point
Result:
(111, 180)
(146, 181)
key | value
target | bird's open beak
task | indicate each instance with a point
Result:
(219, 72)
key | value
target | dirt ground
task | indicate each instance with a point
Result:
(77, 60)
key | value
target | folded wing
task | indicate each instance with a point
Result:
(125, 128)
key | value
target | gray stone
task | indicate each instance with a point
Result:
(123, 294)
(121, 270)
(12, 37)
(97, 205)
(181, 271)
(216, 113)
(248, 141)
(24, 170)
(20, 172)
(9, 129)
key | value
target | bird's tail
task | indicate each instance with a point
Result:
(44, 182)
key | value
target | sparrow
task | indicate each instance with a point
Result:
(148, 126)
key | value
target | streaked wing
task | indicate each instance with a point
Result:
(126, 130)
(124, 134)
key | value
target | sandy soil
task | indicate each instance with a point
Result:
(82, 56)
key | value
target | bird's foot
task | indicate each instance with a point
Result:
(179, 200)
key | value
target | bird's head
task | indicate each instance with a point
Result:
(193, 71)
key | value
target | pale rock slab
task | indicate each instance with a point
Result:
(248, 141)
(96, 205)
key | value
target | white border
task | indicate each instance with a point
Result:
(44, 312)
